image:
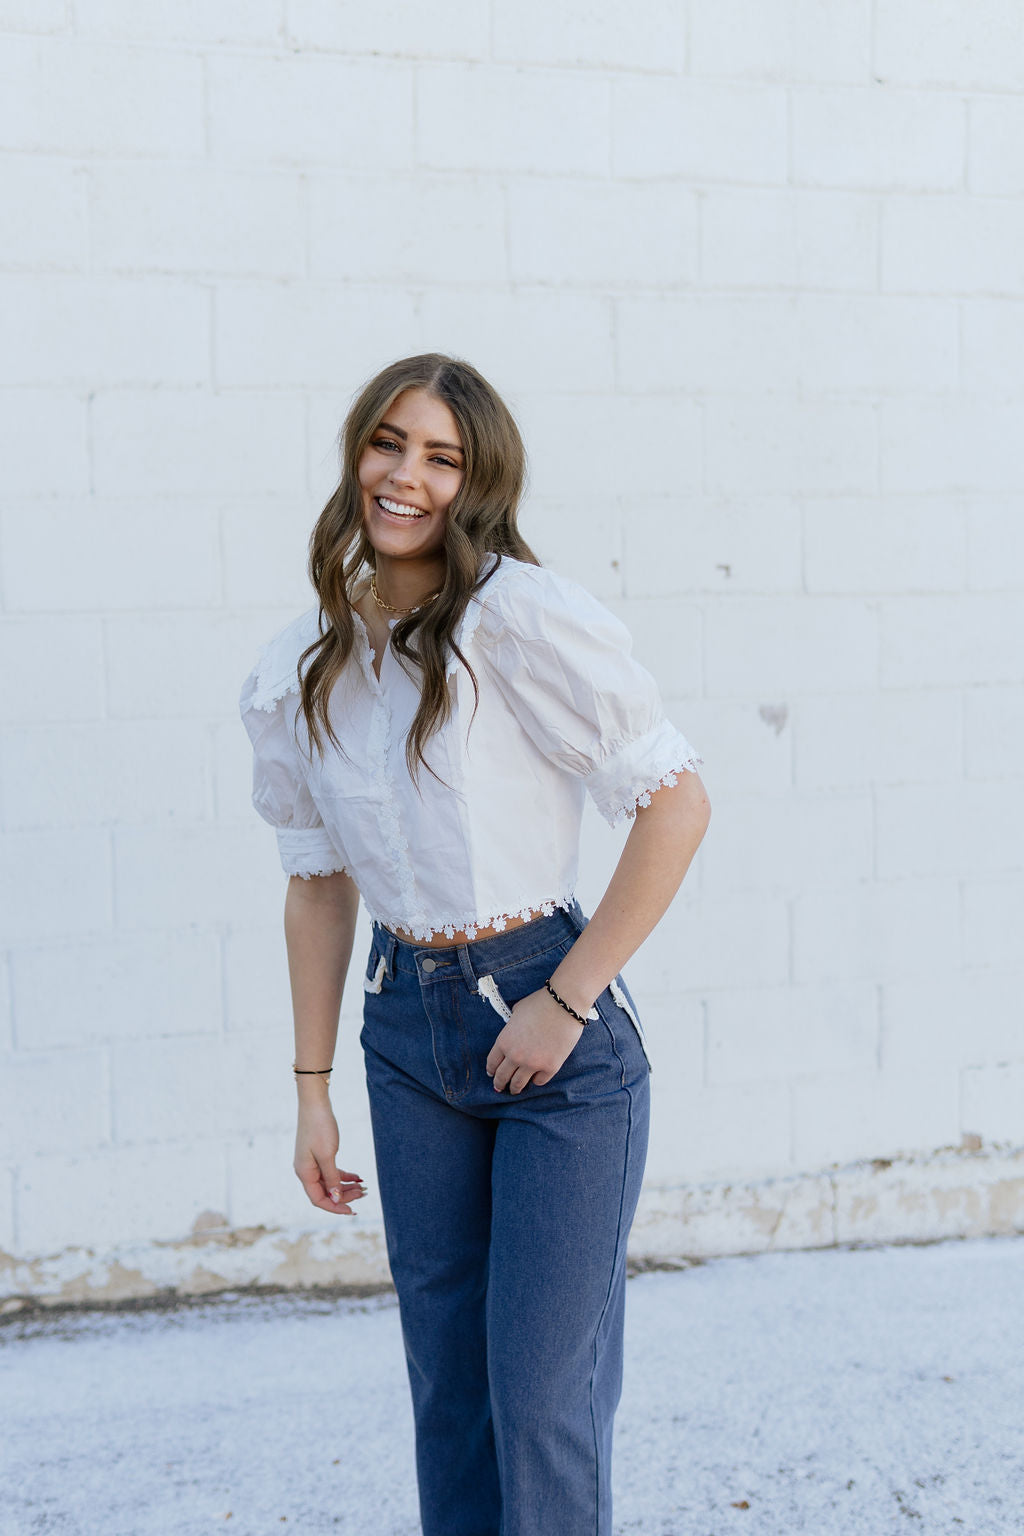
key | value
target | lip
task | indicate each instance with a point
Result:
(397, 517)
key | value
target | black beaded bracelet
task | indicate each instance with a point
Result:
(577, 1016)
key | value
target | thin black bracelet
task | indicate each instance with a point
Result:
(312, 1071)
(577, 1016)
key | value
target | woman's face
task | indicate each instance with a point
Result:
(409, 474)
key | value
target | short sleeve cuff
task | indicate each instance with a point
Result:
(307, 852)
(634, 772)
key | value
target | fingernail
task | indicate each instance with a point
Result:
(336, 1195)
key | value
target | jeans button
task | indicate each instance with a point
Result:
(428, 965)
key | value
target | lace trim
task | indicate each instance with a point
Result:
(640, 791)
(469, 923)
(277, 664)
(310, 874)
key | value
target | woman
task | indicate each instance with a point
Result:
(425, 739)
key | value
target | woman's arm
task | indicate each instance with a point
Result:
(659, 850)
(319, 927)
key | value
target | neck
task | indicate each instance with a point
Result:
(406, 583)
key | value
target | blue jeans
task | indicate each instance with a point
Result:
(506, 1218)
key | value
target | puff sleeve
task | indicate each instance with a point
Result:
(562, 662)
(268, 704)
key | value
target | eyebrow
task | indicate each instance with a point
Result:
(386, 426)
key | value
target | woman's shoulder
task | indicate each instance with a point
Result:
(276, 672)
(530, 599)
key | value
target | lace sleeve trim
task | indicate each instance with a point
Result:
(640, 791)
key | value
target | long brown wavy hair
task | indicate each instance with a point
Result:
(481, 518)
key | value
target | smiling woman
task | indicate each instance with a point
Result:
(505, 1060)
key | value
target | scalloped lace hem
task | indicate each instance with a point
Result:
(470, 924)
(640, 792)
(328, 868)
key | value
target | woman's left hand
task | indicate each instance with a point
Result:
(537, 1040)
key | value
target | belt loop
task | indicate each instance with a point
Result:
(466, 963)
(387, 944)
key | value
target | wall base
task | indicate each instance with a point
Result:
(919, 1199)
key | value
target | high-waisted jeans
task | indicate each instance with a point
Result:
(506, 1218)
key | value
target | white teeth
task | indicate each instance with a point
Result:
(397, 510)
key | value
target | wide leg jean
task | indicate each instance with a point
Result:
(506, 1218)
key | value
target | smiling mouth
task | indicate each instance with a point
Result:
(398, 509)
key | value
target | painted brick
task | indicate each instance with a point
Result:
(877, 345)
(55, 885)
(995, 161)
(580, 33)
(900, 736)
(302, 336)
(876, 931)
(517, 339)
(494, 118)
(944, 446)
(701, 130)
(745, 751)
(601, 232)
(968, 1018)
(675, 668)
(114, 554)
(581, 538)
(110, 989)
(195, 876)
(207, 1087)
(888, 140)
(741, 939)
(932, 830)
(34, 15)
(6, 1012)
(952, 245)
(31, 422)
(580, 446)
(7, 1240)
(842, 1116)
(766, 445)
(938, 641)
(189, 21)
(47, 217)
(994, 558)
(95, 332)
(459, 29)
(409, 228)
(993, 1097)
(198, 444)
(781, 39)
(256, 991)
(138, 771)
(788, 842)
(116, 1196)
(751, 544)
(79, 98)
(774, 648)
(198, 218)
(718, 1132)
(770, 238)
(232, 769)
(74, 688)
(48, 1102)
(994, 732)
(884, 545)
(674, 1030)
(264, 548)
(324, 416)
(310, 111)
(939, 42)
(993, 921)
(993, 336)
(184, 665)
(757, 1036)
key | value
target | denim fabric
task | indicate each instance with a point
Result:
(506, 1218)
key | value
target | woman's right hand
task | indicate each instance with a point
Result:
(316, 1153)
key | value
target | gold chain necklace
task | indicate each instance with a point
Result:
(387, 606)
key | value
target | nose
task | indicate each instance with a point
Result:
(403, 472)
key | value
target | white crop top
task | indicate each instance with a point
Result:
(563, 709)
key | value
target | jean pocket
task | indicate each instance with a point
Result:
(376, 968)
(623, 1003)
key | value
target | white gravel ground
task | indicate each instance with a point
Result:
(841, 1393)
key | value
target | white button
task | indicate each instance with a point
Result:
(429, 965)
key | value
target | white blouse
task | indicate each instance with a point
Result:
(563, 710)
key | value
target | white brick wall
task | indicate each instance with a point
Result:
(750, 273)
